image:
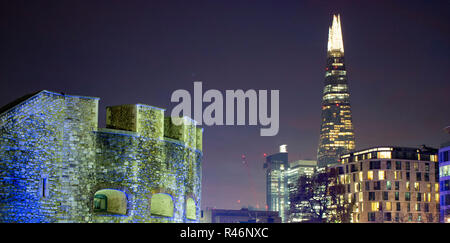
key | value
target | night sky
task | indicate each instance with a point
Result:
(125, 52)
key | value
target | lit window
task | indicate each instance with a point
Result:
(444, 170)
(417, 207)
(434, 158)
(370, 175)
(381, 175)
(375, 206)
(388, 206)
(360, 176)
(384, 155)
(416, 186)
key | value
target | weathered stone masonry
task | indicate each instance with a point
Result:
(56, 165)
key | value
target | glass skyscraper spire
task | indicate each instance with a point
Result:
(336, 132)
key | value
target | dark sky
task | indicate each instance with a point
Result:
(397, 57)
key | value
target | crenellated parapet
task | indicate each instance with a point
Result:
(149, 121)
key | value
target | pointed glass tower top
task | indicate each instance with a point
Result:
(335, 42)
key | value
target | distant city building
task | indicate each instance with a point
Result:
(57, 165)
(277, 194)
(336, 131)
(212, 215)
(444, 179)
(296, 169)
(391, 184)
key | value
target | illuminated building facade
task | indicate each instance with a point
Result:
(296, 169)
(444, 179)
(277, 193)
(391, 184)
(336, 131)
(57, 165)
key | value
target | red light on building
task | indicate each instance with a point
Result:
(265, 155)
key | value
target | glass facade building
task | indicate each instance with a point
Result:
(277, 194)
(336, 131)
(296, 169)
(444, 180)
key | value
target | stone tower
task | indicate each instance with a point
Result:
(58, 166)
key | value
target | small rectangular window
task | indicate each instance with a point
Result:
(44, 187)
(418, 176)
(407, 196)
(376, 185)
(398, 165)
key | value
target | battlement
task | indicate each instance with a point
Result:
(149, 121)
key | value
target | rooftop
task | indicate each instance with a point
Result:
(392, 152)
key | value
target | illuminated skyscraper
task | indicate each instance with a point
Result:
(336, 132)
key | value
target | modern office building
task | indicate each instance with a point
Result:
(277, 194)
(296, 169)
(444, 179)
(336, 131)
(391, 184)
(213, 215)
